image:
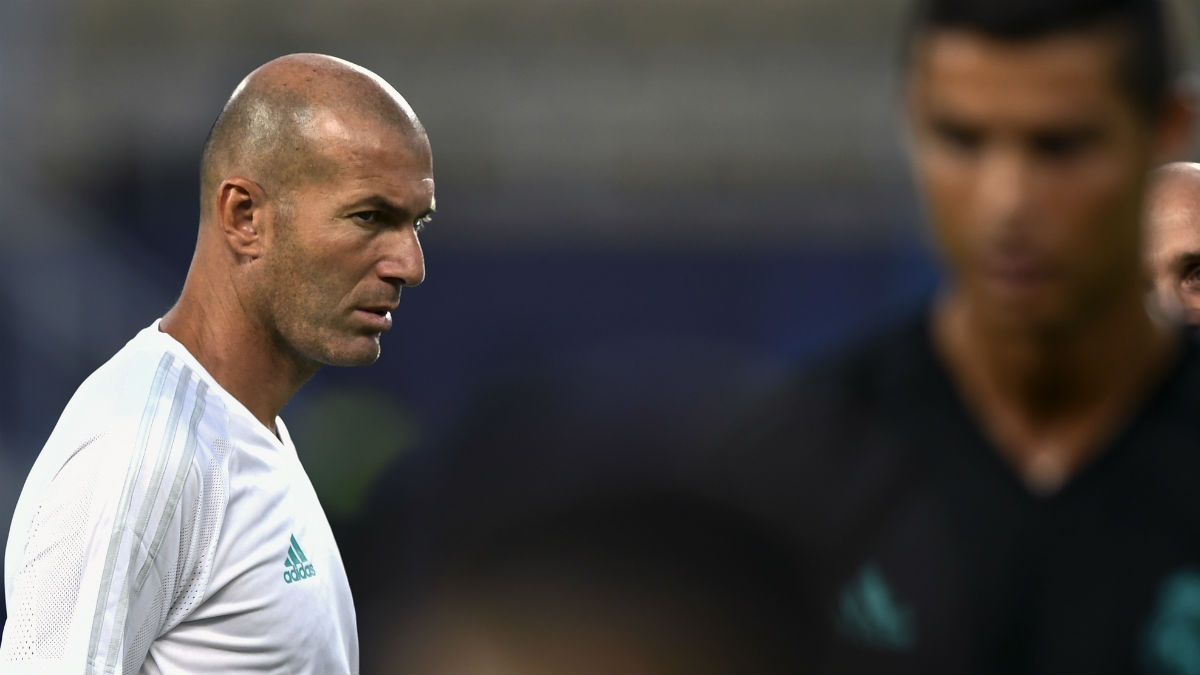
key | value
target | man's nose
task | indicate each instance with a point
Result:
(1005, 189)
(403, 261)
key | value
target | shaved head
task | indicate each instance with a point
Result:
(274, 126)
(1179, 180)
(1173, 240)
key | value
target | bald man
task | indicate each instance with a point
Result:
(1172, 232)
(167, 525)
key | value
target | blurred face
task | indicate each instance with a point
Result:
(347, 243)
(1032, 163)
(1173, 247)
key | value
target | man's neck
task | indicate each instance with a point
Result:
(242, 357)
(1049, 400)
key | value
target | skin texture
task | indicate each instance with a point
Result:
(1032, 161)
(1173, 241)
(314, 184)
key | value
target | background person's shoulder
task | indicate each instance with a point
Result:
(857, 380)
(823, 438)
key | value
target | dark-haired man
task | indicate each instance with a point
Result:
(1007, 482)
(1173, 241)
(167, 525)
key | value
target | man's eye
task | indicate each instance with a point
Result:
(367, 216)
(957, 137)
(1061, 146)
(1191, 279)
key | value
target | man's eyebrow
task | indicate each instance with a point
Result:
(1084, 132)
(384, 204)
(379, 202)
(1187, 259)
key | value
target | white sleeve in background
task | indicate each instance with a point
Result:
(164, 529)
(103, 560)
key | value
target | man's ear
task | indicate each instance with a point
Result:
(242, 216)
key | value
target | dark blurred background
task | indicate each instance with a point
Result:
(648, 211)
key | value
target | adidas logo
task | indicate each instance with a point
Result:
(869, 615)
(297, 564)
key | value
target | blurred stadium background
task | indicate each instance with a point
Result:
(647, 210)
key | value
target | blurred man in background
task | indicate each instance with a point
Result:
(1006, 482)
(1173, 241)
(167, 525)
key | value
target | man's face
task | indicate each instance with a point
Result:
(347, 243)
(1032, 162)
(1173, 245)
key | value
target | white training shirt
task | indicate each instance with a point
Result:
(163, 529)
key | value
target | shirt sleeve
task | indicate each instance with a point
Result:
(104, 556)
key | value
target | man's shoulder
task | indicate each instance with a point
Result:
(821, 446)
(145, 396)
(889, 368)
(856, 399)
(142, 424)
(850, 409)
